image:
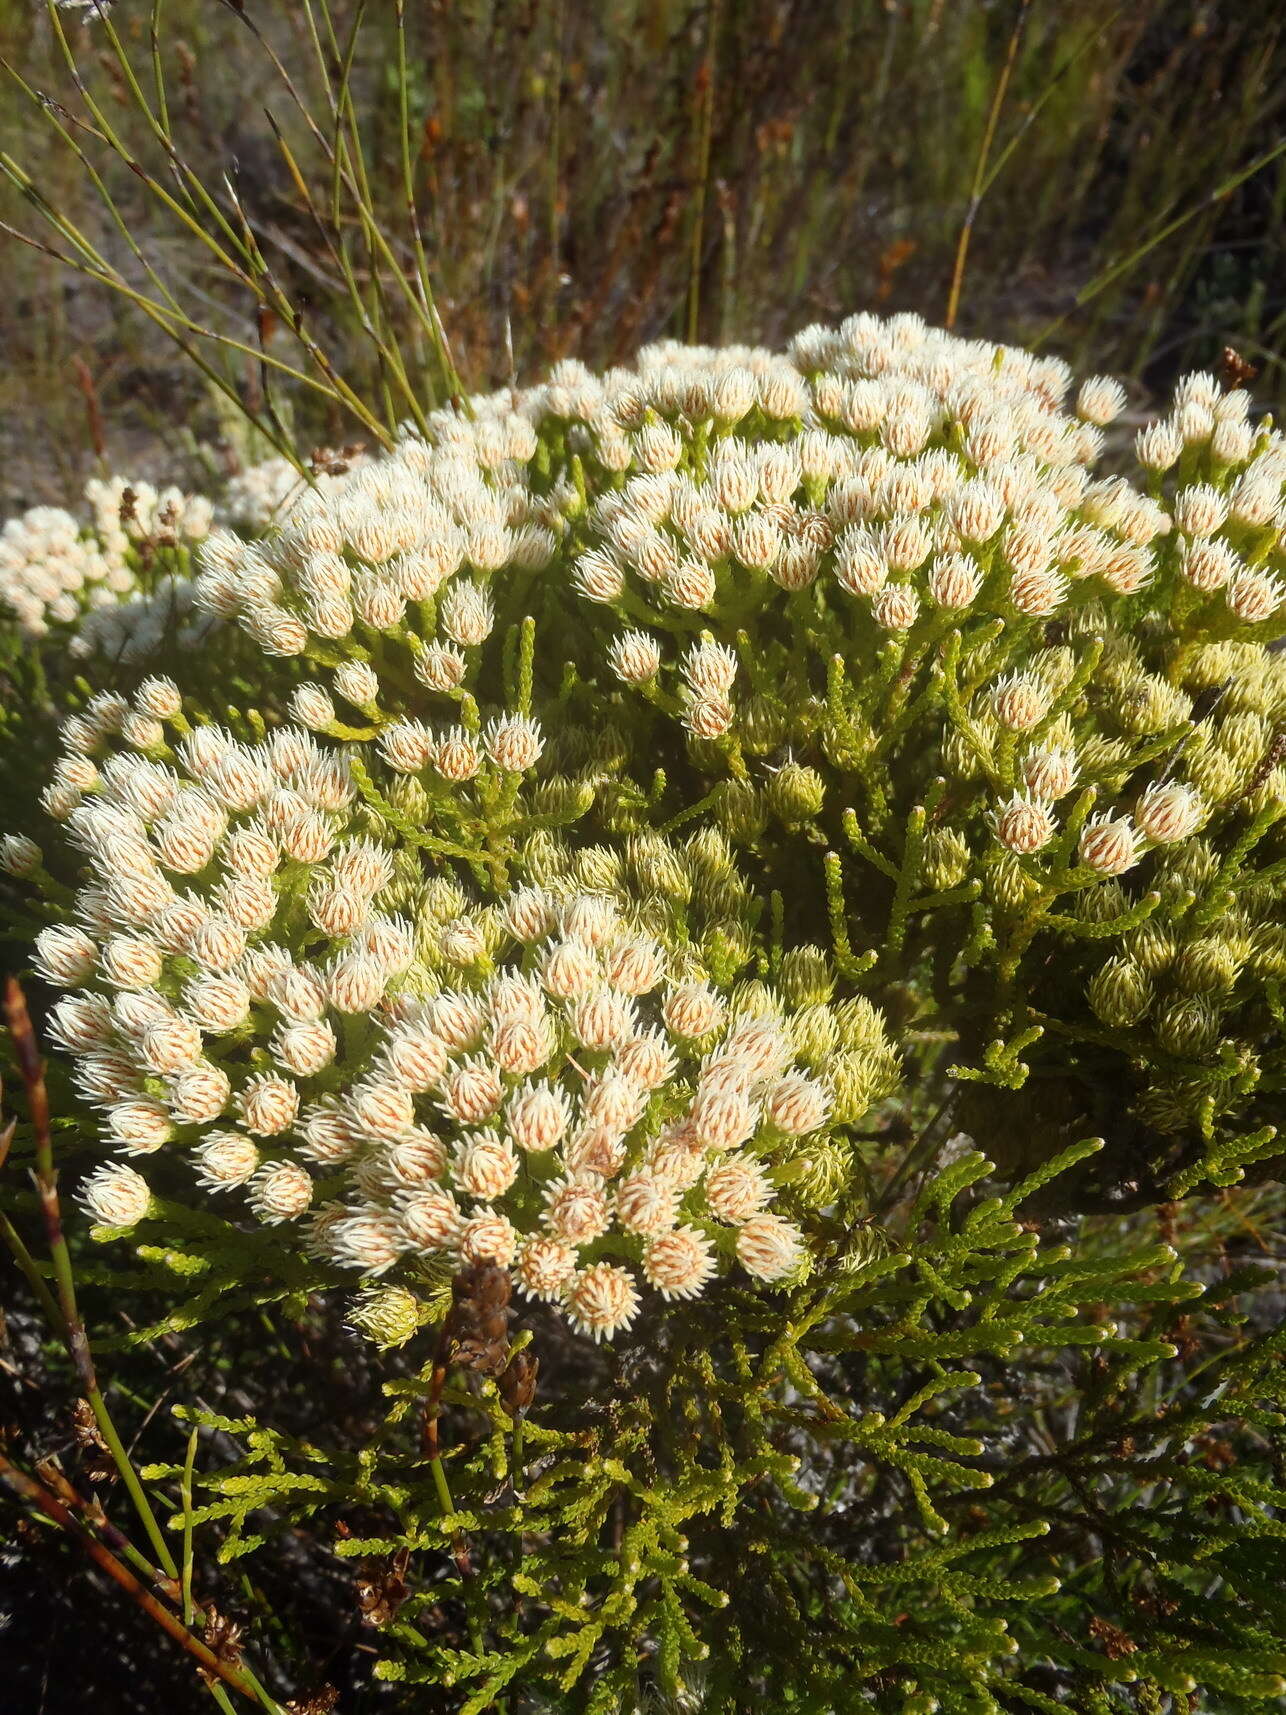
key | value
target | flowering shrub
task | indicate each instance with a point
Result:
(665, 819)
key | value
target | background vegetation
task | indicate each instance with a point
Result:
(590, 177)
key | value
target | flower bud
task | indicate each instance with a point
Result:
(1268, 950)
(409, 797)
(827, 1169)
(1158, 446)
(1207, 966)
(806, 978)
(762, 725)
(896, 607)
(1024, 825)
(1049, 774)
(954, 580)
(1254, 596)
(1189, 1028)
(945, 859)
(1208, 564)
(635, 657)
(1109, 845)
(1009, 886)
(388, 1316)
(115, 1195)
(1168, 812)
(1020, 702)
(739, 811)
(19, 855)
(1120, 993)
(795, 794)
(859, 1078)
(1153, 949)
(860, 564)
(1200, 509)
(768, 1247)
(280, 1191)
(1100, 400)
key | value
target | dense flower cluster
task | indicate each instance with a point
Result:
(366, 549)
(56, 571)
(49, 568)
(897, 480)
(544, 1082)
(866, 602)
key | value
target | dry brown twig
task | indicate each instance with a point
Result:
(26, 1488)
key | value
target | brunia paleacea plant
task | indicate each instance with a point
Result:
(709, 906)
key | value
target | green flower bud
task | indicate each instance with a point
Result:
(815, 1033)
(795, 794)
(846, 745)
(753, 999)
(1268, 950)
(408, 876)
(610, 746)
(709, 854)
(544, 857)
(1268, 794)
(622, 807)
(1188, 1028)
(860, 1079)
(1056, 668)
(570, 750)
(806, 977)
(1107, 757)
(1150, 704)
(1120, 993)
(1215, 775)
(762, 725)
(722, 896)
(1244, 738)
(946, 859)
(1255, 686)
(726, 949)
(1087, 621)
(826, 1170)
(442, 899)
(1169, 1108)
(562, 800)
(959, 758)
(658, 868)
(739, 811)
(388, 1316)
(1191, 864)
(1102, 903)
(861, 1025)
(1211, 665)
(405, 793)
(1205, 967)
(865, 1242)
(1008, 885)
(599, 869)
(1153, 948)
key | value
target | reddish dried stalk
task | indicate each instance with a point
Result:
(31, 1067)
(28, 1489)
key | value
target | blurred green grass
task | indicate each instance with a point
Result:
(592, 176)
